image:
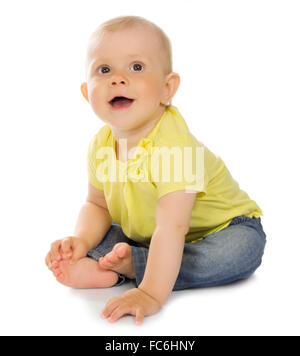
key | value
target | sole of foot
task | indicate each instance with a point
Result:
(85, 273)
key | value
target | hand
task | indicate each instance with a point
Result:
(72, 248)
(135, 302)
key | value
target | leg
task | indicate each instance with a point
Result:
(87, 273)
(114, 254)
(223, 257)
(228, 255)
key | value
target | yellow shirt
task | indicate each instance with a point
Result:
(132, 188)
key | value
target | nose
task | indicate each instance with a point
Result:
(117, 80)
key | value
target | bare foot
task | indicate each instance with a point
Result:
(85, 273)
(119, 260)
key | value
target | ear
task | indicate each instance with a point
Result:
(84, 91)
(171, 85)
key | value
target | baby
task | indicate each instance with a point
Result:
(162, 224)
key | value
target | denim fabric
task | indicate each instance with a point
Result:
(222, 257)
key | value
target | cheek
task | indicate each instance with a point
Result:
(149, 87)
(95, 93)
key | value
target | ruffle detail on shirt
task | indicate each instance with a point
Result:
(136, 169)
(138, 166)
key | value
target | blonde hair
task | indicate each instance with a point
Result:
(124, 22)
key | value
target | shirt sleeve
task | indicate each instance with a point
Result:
(179, 164)
(92, 164)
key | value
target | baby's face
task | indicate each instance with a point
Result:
(126, 63)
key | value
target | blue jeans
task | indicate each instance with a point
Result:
(222, 257)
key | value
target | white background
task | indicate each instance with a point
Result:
(239, 93)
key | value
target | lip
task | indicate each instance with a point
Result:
(118, 95)
(128, 105)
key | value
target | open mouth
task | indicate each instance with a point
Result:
(121, 102)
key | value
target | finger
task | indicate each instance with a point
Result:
(54, 258)
(55, 250)
(77, 254)
(48, 261)
(119, 312)
(110, 306)
(53, 262)
(66, 247)
(139, 317)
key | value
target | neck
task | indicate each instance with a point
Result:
(134, 136)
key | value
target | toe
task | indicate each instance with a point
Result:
(122, 249)
(104, 263)
(56, 272)
(60, 277)
(63, 264)
(112, 258)
(55, 264)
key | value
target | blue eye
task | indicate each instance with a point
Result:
(137, 67)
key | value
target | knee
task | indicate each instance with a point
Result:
(257, 243)
(252, 250)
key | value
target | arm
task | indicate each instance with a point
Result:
(92, 225)
(94, 219)
(173, 216)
